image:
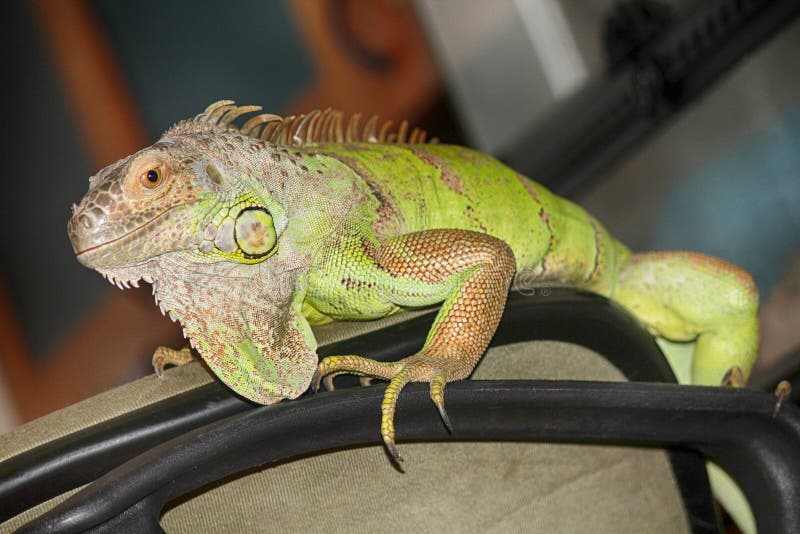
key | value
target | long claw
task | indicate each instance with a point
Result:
(782, 392)
(158, 366)
(733, 378)
(437, 396)
(365, 381)
(315, 380)
(392, 448)
(445, 419)
(328, 381)
(387, 411)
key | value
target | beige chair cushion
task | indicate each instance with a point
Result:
(454, 487)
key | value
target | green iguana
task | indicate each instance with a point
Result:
(249, 234)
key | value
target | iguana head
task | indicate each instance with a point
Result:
(190, 193)
(200, 215)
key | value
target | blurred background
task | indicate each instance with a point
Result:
(677, 123)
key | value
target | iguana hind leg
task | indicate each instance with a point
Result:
(684, 296)
(469, 271)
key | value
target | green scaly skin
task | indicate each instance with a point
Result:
(247, 241)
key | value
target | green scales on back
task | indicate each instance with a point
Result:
(415, 187)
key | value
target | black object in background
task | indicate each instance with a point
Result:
(659, 61)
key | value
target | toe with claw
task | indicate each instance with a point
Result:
(164, 356)
(782, 392)
(734, 378)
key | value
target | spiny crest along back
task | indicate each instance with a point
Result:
(316, 127)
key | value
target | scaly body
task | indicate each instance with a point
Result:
(250, 233)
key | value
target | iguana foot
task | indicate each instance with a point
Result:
(418, 368)
(164, 356)
(782, 392)
(734, 378)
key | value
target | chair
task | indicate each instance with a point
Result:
(533, 455)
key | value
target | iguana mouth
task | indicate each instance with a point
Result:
(123, 236)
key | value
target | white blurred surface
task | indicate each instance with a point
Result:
(507, 61)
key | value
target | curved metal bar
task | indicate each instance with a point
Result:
(71, 461)
(735, 427)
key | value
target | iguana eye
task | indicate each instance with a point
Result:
(151, 178)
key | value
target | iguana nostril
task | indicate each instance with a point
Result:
(87, 221)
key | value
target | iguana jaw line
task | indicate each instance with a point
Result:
(126, 234)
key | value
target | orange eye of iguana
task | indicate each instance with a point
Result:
(151, 178)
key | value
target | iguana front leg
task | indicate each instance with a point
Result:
(469, 271)
(164, 356)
